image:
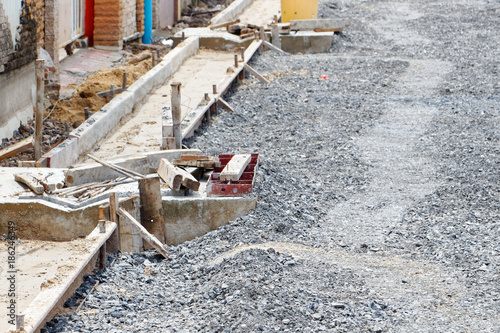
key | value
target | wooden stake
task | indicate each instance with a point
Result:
(143, 232)
(242, 54)
(235, 61)
(153, 58)
(177, 113)
(272, 47)
(225, 105)
(256, 74)
(113, 242)
(262, 33)
(124, 81)
(40, 88)
(151, 206)
(102, 256)
(275, 32)
(214, 88)
(86, 112)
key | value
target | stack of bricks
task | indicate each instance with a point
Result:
(129, 17)
(108, 24)
(39, 15)
(26, 44)
(51, 42)
(140, 15)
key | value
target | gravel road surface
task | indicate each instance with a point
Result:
(378, 190)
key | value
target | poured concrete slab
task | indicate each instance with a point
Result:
(47, 274)
(143, 130)
(261, 12)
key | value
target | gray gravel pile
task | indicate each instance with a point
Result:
(326, 248)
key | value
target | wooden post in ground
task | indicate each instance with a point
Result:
(262, 33)
(275, 31)
(153, 60)
(236, 61)
(242, 54)
(124, 81)
(151, 207)
(214, 106)
(177, 113)
(40, 88)
(102, 250)
(113, 242)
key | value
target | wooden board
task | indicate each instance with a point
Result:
(319, 24)
(198, 161)
(152, 240)
(29, 180)
(16, 148)
(256, 74)
(167, 172)
(235, 168)
(171, 175)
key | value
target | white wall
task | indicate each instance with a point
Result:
(13, 10)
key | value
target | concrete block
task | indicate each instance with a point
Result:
(63, 155)
(304, 42)
(188, 218)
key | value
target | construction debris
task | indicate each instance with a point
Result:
(152, 240)
(174, 176)
(16, 148)
(198, 161)
(235, 168)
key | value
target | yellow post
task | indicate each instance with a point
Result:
(298, 10)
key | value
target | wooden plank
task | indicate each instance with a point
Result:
(119, 169)
(272, 47)
(29, 180)
(256, 74)
(167, 172)
(327, 30)
(235, 168)
(319, 24)
(151, 206)
(225, 105)
(152, 240)
(16, 148)
(40, 100)
(176, 113)
(206, 162)
(224, 24)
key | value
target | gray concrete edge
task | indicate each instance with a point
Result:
(231, 12)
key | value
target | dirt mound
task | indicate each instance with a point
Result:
(71, 110)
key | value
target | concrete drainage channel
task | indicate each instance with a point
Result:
(69, 235)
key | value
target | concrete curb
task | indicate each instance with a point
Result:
(101, 123)
(231, 12)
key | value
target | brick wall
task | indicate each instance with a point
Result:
(108, 24)
(140, 15)
(129, 17)
(24, 52)
(39, 16)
